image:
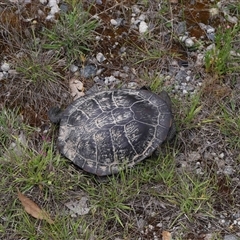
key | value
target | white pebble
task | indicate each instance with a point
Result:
(184, 91)
(159, 225)
(5, 67)
(221, 155)
(210, 30)
(213, 11)
(100, 57)
(189, 42)
(73, 68)
(151, 227)
(114, 22)
(143, 27)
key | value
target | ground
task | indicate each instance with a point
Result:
(190, 190)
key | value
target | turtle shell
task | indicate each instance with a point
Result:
(110, 130)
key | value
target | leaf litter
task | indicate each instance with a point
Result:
(33, 209)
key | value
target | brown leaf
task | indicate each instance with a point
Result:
(33, 209)
(166, 235)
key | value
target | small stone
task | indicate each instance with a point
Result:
(88, 71)
(181, 28)
(151, 227)
(213, 11)
(228, 170)
(159, 225)
(5, 67)
(100, 57)
(222, 221)
(210, 30)
(113, 22)
(189, 42)
(184, 91)
(143, 27)
(73, 68)
(123, 75)
(221, 155)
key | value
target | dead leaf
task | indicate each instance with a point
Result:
(166, 235)
(76, 88)
(33, 209)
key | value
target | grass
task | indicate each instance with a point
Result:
(219, 59)
(39, 67)
(179, 193)
(73, 33)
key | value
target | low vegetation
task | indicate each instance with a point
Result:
(184, 191)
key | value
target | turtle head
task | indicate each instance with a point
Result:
(55, 114)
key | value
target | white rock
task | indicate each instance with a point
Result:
(98, 38)
(5, 67)
(228, 170)
(213, 11)
(210, 30)
(53, 4)
(100, 57)
(189, 42)
(73, 68)
(199, 61)
(113, 22)
(221, 155)
(133, 20)
(143, 27)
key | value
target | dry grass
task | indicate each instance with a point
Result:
(186, 190)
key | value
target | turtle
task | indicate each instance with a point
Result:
(107, 131)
